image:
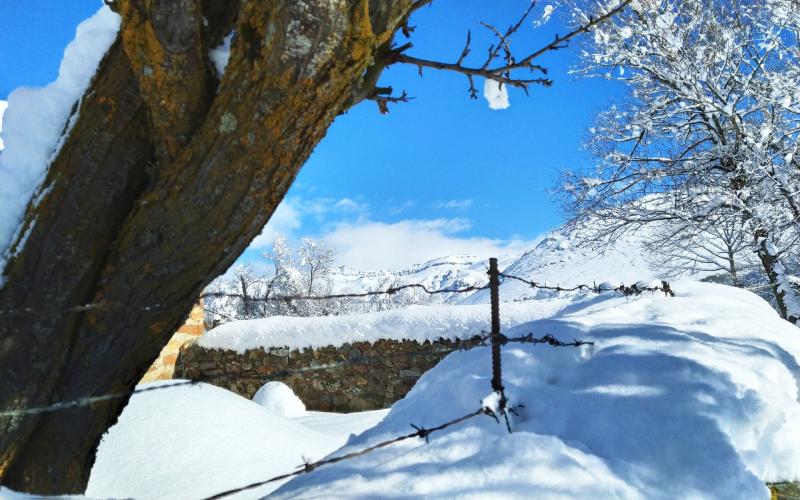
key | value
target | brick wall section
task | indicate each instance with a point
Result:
(164, 366)
(352, 377)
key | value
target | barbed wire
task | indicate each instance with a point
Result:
(81, 308)
(497, 339)
(389, 291)
(90, 400)
(634, 289)
(546, 339)
(420, 432)
(481, 340)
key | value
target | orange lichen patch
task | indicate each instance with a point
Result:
(175, 85)
(364, 38)
(108, 106)
(195, 330)
(157, 327)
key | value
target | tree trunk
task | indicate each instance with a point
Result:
(774, 270)
(161, 185)
(732, 267)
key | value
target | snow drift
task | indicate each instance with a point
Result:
(688, 397)
(281, 399)
(197, 440)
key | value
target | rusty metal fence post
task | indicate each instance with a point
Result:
(497, 373)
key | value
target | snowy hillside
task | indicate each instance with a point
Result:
(447, 273)
(453, 272)
(556, 259)
(559, 260)
(694, 396)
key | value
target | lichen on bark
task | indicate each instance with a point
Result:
(163, 182)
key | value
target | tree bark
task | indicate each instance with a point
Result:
(160, 186)
(771, 264)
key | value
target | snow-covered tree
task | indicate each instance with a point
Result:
(300, 272)
(709, 131)
(316, 260)
(285, 280)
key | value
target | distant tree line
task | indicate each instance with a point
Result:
(304, 270)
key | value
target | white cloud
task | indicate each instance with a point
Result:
(323, 208)
(285, 220)
(402, 207)
(371, 245)
(365, 244)
(348, 205)
(455, 204)
(288, 217)
(3, 106)
(496, 95)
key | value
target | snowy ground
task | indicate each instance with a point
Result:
(688, 397)
(694, 396)
(197, 440)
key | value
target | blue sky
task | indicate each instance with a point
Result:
(438, 175)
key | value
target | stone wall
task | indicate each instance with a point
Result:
(164, 366)
(352, 377)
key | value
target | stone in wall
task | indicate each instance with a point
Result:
(164, 366)
(351, 377)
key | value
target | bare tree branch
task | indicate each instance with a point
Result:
(503, 73)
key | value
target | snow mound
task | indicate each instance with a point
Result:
(196, 440)
(281, 399)
(694, 396)
(413, 323)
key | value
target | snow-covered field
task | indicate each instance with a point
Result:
(693, 396)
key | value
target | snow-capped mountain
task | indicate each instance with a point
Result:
(446, 273)
(558, 259)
